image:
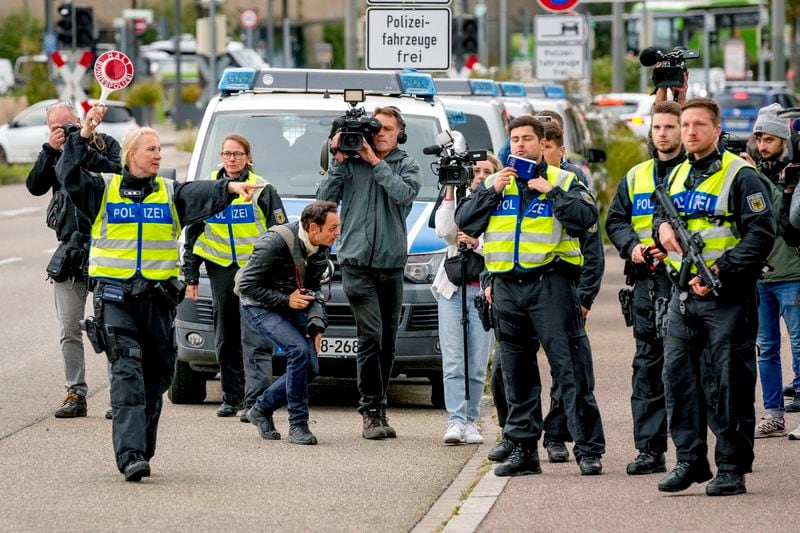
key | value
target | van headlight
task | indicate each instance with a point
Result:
(422, 268)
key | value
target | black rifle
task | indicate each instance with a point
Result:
(691, 243)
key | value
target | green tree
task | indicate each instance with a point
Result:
(601, 74)
(20, 34)
(333, 33)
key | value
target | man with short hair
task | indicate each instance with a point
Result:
(376, 187)
(280, 294)
(709, 349)
(630, 227)
(779, 290)
(72, 230)
(532, 248)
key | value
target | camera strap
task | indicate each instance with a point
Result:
(299, 261)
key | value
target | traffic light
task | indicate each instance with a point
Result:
(64, 24)
(84, 18)
(469, 35)
(84, 26)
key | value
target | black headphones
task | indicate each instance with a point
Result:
(401, 136)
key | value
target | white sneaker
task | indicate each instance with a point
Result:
(795, 435)
(455, 433)
(472, 433)
(770, 427)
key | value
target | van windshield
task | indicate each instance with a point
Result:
(286, 147)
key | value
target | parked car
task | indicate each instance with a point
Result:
(483, 121)
(287, 115)
(740, 101)
(22, 137)
(633, 108)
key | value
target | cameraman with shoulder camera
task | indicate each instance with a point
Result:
(532, 229)
(280, 295)
(67, 268)
(376, 187)
(779, 288)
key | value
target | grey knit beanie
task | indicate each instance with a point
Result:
(768, 122)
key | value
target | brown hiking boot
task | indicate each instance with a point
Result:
(74, 405)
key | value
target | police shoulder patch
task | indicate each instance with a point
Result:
(280, 216)
(587, 197)
(756, 202)
(593, 229)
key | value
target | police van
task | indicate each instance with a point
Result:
(287, 115)
(482, 121)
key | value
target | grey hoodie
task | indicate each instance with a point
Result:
(375, 203)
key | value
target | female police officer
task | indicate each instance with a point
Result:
(224, 242)
(137, 217)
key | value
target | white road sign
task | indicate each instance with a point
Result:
(408, 38)
(560, 62)
(560, 29)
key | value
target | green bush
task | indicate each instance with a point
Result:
(39, 86)
(13, 173)
(601, 74)
(144, 94)
(190, 94)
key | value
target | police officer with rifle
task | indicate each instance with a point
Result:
(715, 222)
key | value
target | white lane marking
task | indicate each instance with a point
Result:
(20, 211)
(9, 260)
(419, 224)
(49, 251)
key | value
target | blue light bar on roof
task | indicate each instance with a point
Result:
(483, 87)
(417, 84)
(555, 91)
(237, 79)
(510, 88)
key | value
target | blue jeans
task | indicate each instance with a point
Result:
(777, 299)
(451, 338)
(288, 331)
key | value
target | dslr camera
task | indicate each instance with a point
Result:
(673, 64)
(355, 127)
(454, 168)
(69, 129)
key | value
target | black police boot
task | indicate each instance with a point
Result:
(788, 391)
(390, 432)
(726, 484)
(73, 406)
(263, 421)
(300, 434)
(557, 452)
(136, 470)
(683, 475)
(502, 451)
(590, 466)
(226, 410)
(523, 461)
(647, 463)
(373, 425)
(794, 405)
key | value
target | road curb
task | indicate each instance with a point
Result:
(470, 512)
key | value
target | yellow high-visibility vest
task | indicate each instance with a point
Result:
(641, 184)
(229, 236)
(536, 238)
(705, 208)
(135, 237)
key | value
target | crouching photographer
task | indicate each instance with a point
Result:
(455, 287)
(279, 291)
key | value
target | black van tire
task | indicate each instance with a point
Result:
(188, 386)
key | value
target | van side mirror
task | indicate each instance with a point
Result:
(595, 155)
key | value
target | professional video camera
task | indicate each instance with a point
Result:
(454, 168)
(673, 65)
(735, 145)
(354, 127)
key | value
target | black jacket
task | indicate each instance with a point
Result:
(742, 263)
(268, 201)
(269, 277)
(574, 209)
(42, 178)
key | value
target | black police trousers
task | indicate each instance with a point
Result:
(710, 377)
(376, 296)
(543, 308)
(648, 405)
(142, 354)
(227, 333)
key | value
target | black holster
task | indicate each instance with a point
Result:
(484, 311)
(661, 312)
(626, 304)
(95, 330)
